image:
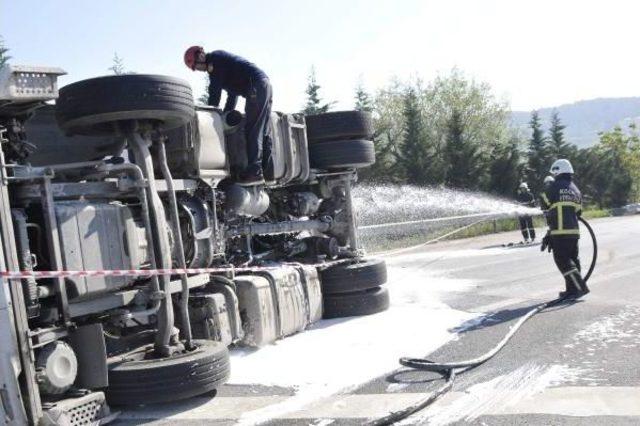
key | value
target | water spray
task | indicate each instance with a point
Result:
(450, 369)
(399, 212)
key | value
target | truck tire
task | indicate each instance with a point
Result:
(137, 378)
(54, 147)
(349, 278)
(95, 106)
(359, 303)
(342, 154)
(339, 125)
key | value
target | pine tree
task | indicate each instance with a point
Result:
(414, 154)
(461, 156)
(4, 58)
(558, 148)
(314, 103)
(538, 162)
(505, 169)
(117, 66)
(204, 97)
(363, 100)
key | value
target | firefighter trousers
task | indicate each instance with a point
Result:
(526, 226)
(566, 256)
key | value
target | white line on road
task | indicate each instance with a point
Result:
(562, 401)
(581, 401)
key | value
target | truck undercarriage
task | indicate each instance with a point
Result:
(132, 260)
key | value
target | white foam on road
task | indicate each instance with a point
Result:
(335, 356)
(494, 395)
(623, 326)
(338, 355)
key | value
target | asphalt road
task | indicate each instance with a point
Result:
(575, 364)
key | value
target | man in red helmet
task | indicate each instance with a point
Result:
(239, 77)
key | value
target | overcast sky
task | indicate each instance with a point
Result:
(535, 53)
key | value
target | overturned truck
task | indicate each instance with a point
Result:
(131, 259)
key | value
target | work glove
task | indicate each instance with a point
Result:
(546, 243)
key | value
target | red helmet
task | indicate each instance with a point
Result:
(191, 56)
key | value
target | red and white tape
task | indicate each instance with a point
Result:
(120, 272)
(151, 272)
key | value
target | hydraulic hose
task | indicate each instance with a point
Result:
(450, 369)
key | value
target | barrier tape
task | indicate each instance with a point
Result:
(154, 272)
(115, 272)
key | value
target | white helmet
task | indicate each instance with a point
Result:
(524, 185)
(561, 166)
(548, 180)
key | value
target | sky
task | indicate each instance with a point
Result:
(533, 53)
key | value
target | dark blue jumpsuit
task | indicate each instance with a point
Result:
(562, 201)
(239, 77)
(525, 198)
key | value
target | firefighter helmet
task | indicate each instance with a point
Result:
(561, 166)
(191, 56)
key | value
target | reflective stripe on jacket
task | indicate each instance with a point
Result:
(563, 204)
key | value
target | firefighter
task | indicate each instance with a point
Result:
(563, 204)
(239, 77)
(547, 182)
(546, 185)
(525, 198)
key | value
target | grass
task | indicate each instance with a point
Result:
(596, 213)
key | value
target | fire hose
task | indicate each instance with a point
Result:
(450, 369)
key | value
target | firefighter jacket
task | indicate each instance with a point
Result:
(525, 198)
(562, 202)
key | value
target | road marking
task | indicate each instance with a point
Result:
(562, 401)
(581, 401)
(203, 408)
(336, 406)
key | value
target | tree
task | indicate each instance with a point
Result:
(363, 100)
(414, 155)
(621, 150)
(483, 116)
(4, 58)
(204, 97)
(608, 173)
(314, 103)
(538, 163)
(483, 120)
(557, 147)
(388, 124)
(461, 156)
(117, 66)
(506, 168)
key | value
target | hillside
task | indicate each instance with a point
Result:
(584, 119)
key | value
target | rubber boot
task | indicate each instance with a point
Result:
(571, 290)
(584, 289)
(577, 282)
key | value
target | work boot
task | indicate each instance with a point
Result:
(584, 288)
(249, 178)
(568, 295)
(571, 289)
(576, 280)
